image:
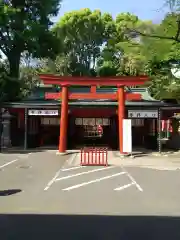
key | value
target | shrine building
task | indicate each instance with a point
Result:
(71, 112)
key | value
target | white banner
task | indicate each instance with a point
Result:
(43, 112)
(142, 113)
(127, 135)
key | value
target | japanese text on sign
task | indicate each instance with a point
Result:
(143, 114)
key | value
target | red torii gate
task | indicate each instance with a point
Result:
(93, 82)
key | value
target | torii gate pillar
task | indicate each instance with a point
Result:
(63, 120)
(121, 115)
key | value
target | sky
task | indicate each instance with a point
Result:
(144, 9)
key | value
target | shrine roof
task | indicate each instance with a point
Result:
(37, 98)
(39, 92)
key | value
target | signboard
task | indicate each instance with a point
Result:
(142, 113)
(127, 135)
(43, 112)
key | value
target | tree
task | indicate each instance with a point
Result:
(25, 26)
(83, 34)
(9, 87)
(174, 12)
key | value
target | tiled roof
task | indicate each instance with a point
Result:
(39, 92)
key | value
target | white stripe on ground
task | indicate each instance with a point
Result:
(71, 160)
(123, 187)
(56, 175)
(84, 173)
(52, 180)
(93, 181)
(73, 168)
(6, 164)
(133, 180)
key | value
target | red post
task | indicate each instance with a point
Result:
(121, 111)
(64, 120)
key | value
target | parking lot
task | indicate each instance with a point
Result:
(46, 183)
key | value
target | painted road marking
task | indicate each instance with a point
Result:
(6, 164)
(71, 160)
(52, 180)
(84, 173)
(132, 180)
(73, 168)
(56, 175)
(93, 181)
(124, 187)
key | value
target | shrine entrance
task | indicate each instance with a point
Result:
(93, 82)
(92, 132)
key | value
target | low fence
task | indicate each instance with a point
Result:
(94, 156)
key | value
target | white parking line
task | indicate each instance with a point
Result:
(6, 164)
(93, 181)
(72, 159)
(133, 180)
(73, 168)
(124, 187)
(84, 173)
(52, 180)
(57, 174)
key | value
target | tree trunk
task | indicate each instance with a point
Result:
(14, 62)
(13, 83)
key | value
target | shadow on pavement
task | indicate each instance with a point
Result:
(4, 193)
(88, 227)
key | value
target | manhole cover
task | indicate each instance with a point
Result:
(25, 167)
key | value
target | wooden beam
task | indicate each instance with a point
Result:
(133, 96)
(93, 89)
(93, 96)
(87, 81)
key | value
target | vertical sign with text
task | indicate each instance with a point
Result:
(127, 135)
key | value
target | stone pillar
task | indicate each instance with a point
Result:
(5, 135)
(121, 113)
(63, 121)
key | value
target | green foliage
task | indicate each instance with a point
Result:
(83, 33)
(86, 43)
(9, 87)
(24, 26)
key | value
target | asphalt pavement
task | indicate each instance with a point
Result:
(43, 194)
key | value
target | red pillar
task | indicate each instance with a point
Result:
(64, 120)
(121, 112)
